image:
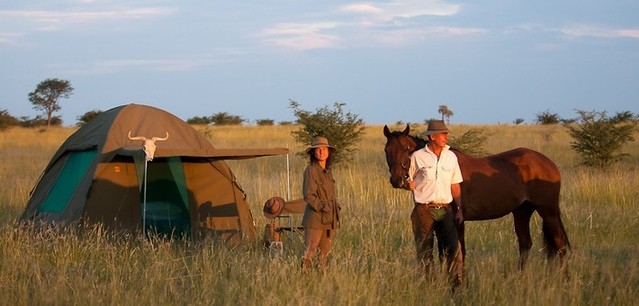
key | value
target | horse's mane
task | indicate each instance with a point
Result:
(421, 142)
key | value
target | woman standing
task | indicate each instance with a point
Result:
(321, 215)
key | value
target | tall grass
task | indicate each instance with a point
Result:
(373, 262)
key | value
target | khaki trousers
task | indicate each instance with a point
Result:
(315, 239)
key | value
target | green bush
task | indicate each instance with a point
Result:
(6, 120)
(343, 130)
(546, 117)
(471, 142)
(599, 139)
(88, 116)
(265, 122)
(199, 120)
(224, 118)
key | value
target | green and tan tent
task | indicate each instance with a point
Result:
(98, 176)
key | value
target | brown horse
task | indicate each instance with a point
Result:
(519, 181)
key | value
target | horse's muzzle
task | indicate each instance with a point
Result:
(397, 182)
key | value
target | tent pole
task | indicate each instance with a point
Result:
(288, 179)
(144, 201)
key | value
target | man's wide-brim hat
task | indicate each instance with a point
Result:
(319, 142)
(436, 127)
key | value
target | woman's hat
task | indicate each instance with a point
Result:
(319, 142)
(273, 207)
(436, 127)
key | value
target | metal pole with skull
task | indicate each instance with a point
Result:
(149, 151)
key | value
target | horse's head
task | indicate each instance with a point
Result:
(399, 146)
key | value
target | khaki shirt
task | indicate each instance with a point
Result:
(322, 209)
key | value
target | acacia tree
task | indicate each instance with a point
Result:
(446, 113)
(598, 139)
(46, 95)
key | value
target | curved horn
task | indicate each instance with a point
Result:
(136, 137)
(154, 139)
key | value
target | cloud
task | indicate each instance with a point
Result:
(181, 64)
(301, 36)
(596, 31)
(47, 20)
(9, 38)
(365, 22)
(402, 37)
(402, 9)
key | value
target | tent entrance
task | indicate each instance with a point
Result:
(167, 197)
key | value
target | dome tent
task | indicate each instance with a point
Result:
(98, 176)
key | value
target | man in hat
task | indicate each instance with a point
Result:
(434, 179)
(321, 219)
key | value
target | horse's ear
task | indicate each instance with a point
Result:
(407, 130)
(387, 132)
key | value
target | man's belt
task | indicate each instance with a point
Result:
(434, 205)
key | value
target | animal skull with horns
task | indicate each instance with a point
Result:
(149, 144)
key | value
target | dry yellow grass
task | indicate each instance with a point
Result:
(373, 260)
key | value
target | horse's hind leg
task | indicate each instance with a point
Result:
(556, 239)
(522, 215)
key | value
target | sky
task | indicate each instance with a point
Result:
(489, 62)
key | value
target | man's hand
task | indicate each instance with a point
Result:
(410, 185)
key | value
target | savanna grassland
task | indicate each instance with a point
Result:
(373, 262)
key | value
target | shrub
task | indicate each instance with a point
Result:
(343, 130)
(599, 139)
(88, 116)
(546, 117)
(471, 142)
(39, 121)
(264, 122)
(6, 120)
(224, 118)
(199, 120)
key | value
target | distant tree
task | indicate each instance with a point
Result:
(446, 113)
(224, 118)
(199, 120)
(263, 122)
(546, 117)
(6, 120)
(518, 121)
(426, 121)
(599, 139)
(88, 116)
(46, 95)
(343, 130)
(286, 123)
(26, 121)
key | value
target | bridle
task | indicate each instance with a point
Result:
(405, 164)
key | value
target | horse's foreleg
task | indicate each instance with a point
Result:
(521, 216)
